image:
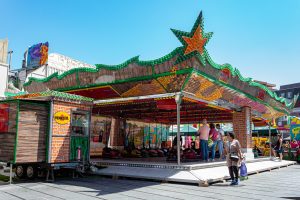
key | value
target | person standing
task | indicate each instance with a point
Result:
(174, 145)
(203, 135)
(278, 148)
(220, 140)
(233, 157)
(188, 142)
(193, 145)
(213, 134)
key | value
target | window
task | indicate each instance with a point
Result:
(80, 123)
(290, 95)
(282, 94)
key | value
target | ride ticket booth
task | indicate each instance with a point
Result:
(45, 131)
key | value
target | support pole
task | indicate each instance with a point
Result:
(49, 149)
(270, 143)
(10, 173)
(178, 133)
(172, 136)
(178, 102)
(149, 137)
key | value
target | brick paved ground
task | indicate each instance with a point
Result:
(284, 182)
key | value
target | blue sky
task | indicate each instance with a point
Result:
(259, 37)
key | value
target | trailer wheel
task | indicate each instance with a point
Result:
(20, 172)
(31, 172)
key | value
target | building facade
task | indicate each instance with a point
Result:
(288, 92)
(3, 66)
(56, 63)
(3, 79)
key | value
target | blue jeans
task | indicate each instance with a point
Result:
(204, 149)
(213, 150)
(220, 148)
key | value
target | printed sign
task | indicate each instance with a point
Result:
(62, 118)
(4, 116)
(37, 55)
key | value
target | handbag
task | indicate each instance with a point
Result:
(232, 157)
(243, 170)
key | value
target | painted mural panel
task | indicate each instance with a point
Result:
(295, 129)
(100, 131)
(154, 135)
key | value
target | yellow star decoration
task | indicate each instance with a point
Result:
(196, 42)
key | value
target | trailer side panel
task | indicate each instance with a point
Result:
(32, 132)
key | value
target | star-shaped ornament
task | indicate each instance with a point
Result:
(194, 42)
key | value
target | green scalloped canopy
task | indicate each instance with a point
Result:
(179, 52)
(52, 93)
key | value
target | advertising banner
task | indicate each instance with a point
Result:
(37, 55)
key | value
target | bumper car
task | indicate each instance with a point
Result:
(153, 153)
(125, 153)
(189, 154)
(172, 155)
(111, 153)
(145, 153)
(136, 153)
(160, 153)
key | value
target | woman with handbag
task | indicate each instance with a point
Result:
(233, 157)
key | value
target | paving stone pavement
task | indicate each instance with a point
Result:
(284, 182)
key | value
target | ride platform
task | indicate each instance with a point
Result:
(202, 174)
